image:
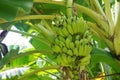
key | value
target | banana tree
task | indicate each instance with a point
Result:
(72, 40)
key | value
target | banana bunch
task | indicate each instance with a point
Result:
(70, 26)
(72, 43)
(65, 60)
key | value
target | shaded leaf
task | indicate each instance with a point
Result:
(9, 56)
(10, 8)
(99, 55)
(39, 45)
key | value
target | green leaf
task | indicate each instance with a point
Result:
(39, 45)
(99, 43)
(50, 8)
(10, 8)
(99, 55)
(8, 56)
(20, 61)
(22, 26)
(6, 26)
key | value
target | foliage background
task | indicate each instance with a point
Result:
(25, 14)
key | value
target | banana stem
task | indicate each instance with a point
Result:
(69, 8)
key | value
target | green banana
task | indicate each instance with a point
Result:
(69, 28)
(77, 37)
(56, 48)
(64, 59)
(69, 58)
(70, 37)
(81, 50)
(69, 52)
(69, 20)
(71, 42)
(74, 27)
(85, 60)
(61, 44)
(83, 41)
(65, 32)
(77, 43)
(72, 45)
(59, 31)
(64, 49)
(67, 43)
(57, 41)
(59, 60)
(61, 38)
(75, 51)
(81, 25)
(64, 24)
(87, 50)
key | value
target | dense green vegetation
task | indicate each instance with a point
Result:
(71, 39)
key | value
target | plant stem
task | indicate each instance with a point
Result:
(38, 70)
(69, 8)
(31, 17)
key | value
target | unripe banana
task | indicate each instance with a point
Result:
(67, 43)
(65, 32)
(77, 43)
(69, 28)
(70, 37)
(81, 50)
(59, 59)
(61, 38)
(74, 27)
(77, 37)
(81, 25)
(64, 24)
(86, 34)
(61, 44)
(63, 17)
(69, 58)
(87, 50)
(69, 52)
(64, 49)
(85, 60)
(75, 51)
(72, 45)
(56, 48)
(60, 32)
(83, 41)
(64, 59)
(69, 20)
(57, 41)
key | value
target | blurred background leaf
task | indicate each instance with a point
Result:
(9, 9)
